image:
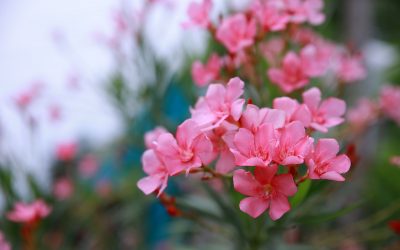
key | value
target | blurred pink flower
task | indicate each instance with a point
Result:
(271, 49)
(266, 190)
(29, 213)
(390, 102)
(25, 98)
(350, 68)
(325, 114)
(270, 15)
(198, 13)
(189, 150)
(363, 114)
(395, 160)
(293, 145)
(4, 245)
(236, 32)
(203, 74)
(316, 58)
(324, 163)
(151, 137)
(63, 188)
(301, 11)
(291, 76)
(220, 103)
(88, 166)
(66, 151)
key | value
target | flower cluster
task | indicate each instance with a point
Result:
(276, 28)
(29, 213)
(274, 142)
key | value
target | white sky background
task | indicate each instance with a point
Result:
(28, 53)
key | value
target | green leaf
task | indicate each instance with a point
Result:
(301, 194)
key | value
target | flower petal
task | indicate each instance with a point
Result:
(253, 206)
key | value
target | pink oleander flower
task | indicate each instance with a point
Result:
(66, 151)
(316, 58)
(63, 188)
(26, 98)
(324, 163)
(88, 166)
(220, 103)
(266, 190)
(390, 102)
(151, 137)
(236, 32)
(325, 114)
(293, 145)
(204, 74)
(4, 245)
(253, 117)
(198, 13)
(270, 15)
(291, 76)
(157, 171)
(301, 11)
(271, 49)
(191, 149)
(363, 114)
(254, 148)
(29, 213)
(293, 110)
(395, 160)
(350, 69)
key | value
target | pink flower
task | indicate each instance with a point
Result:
(204, 74)
(316, 58)
(350, 69)
(253, 117)
(266, 190)
(390, 102)
(305, 11)
(157, 171)
(293, 110)
(323, 162)
(151, 137)
(395, 160)
(191, 149)
(291, 76)
(26, 98)
(325, 114)
(272, 49)
(363, 114)
(63, 188)
(254, 148)
(293, 146)
(88, 166)
(4, 245)
(198, 13)
(236, 32)
(29, 213)
(270, 15)
(66, 151)
(220, 104)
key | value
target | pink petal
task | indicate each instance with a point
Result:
(319, 127)
(187, 132)
(149, 184)
(302, 114)
(276, 75)
(284, 184)
(332, 175)
(204, 149)
(275, 117)
(151, 163)
(326, 149)
(226, 162)
(234, 89)
(249, 117)
(244, 141)
(292, 160)
(340, 164)
(236, 109)
(279, 206)
(312, 98)
(333, 107)
(166, 145)
(265, 138)
(253, 206)
(264, 175)
(214, 96)
(286, 104)
(245, 183)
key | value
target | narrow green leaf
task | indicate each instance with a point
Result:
(301, 194)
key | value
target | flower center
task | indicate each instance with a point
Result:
(186, 155)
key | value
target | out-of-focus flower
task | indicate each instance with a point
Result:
(189, 150)
(266, 190)
(316, 58)
(63, 188)
(350, 68)
(270, 15)
(324, 163)
(4, 245)
(236, 32)
(272, 49)
(363, 114)
(394, 225)
(291, 76)
(198, 13)
(88, 166)
(220, 103)
(390, 102)
(152, 136)
(29, 212)
(395, 160)
(325, 114)
(25, 98)
(203, 74)
(66, 151)
(301, 11)
(54, 113)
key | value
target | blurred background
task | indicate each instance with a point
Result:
(82, 81)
